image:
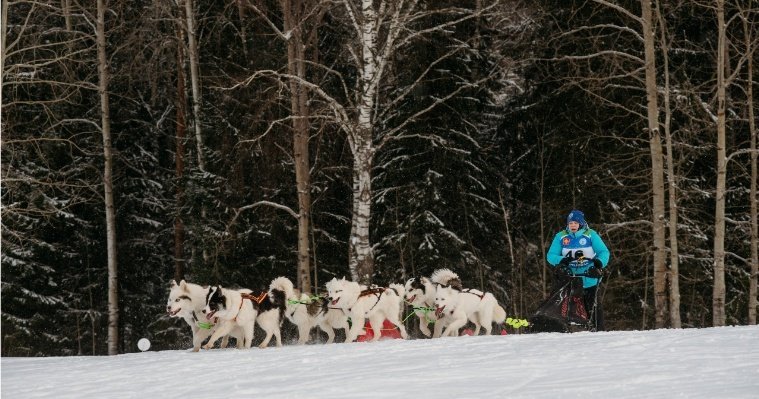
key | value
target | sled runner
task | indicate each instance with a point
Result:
(564, 310)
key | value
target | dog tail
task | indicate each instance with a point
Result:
(443, 276)
(499, 314)
(399, 289)
(282, 284)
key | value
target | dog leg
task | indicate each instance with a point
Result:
(238, 333)
(485, 316)
(397, 322)
(278, 336)
(377, 323)
(438, 329)
(269, 334)
(324, 326)
(303, 331)
(487, 322)
(356, 327)
(423, 327)
(222, 330)
(454, 326)
(198, 336)
(248, 333)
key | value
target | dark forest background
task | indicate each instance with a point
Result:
(479, 184)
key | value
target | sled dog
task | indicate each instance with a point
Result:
(186, 300)
(307, 311)
(374, 303)
(241, 308)
(420, 293)
(456, 306)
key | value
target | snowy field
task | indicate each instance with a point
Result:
(689, 363)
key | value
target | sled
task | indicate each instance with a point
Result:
(563, 310)
(389, 331)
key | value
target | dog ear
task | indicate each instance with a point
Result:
(425, 280)
(173, 283)
(455, 284)
(183, 284)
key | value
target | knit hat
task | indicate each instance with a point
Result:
(577, 216)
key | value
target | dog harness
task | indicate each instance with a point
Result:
(258, 299)
(376, 291)
(469, 291)
(202, 324)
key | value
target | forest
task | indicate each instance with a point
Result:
(231, 142)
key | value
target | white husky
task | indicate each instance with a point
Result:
(306, 311)
(420, 293)
(186, 300)
(456, 306)
(376, 304)
(241, 308)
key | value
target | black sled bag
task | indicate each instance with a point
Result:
(562, 309)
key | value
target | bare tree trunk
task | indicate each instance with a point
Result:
(192, 49)
(243, 34)
(514, 293)
(657, 169)
(361, 259)
(754, 275)
(3, 30)
(66, 7)
(110, 211)
(544, 250)
(78, 334)
(296, 66)
(718, 293)
(181, 103)
(674, 262)
(91, 313)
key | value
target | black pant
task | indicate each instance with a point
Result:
(595, 313)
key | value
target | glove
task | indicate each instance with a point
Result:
(595, 272)
(597, 263)
(565, 260)
(561, 271)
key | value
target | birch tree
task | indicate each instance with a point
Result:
(657, 166)
(181, 133)
(718, 292)
(110, 210)
(673, 274)
(381, 30)
(750, 44)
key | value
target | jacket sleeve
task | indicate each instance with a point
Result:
(554, 252)
(599, 247)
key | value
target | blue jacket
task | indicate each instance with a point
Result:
(585, 239)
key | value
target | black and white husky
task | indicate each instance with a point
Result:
(187, 300)
(360, 303)
(307, 311)
(243, 309)
(420, 294)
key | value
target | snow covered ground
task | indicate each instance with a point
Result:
(689, 363)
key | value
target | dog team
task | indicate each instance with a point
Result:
(220, 313)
